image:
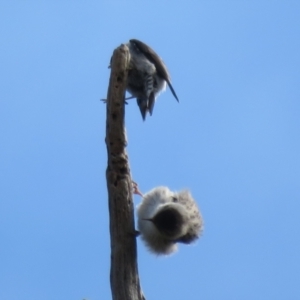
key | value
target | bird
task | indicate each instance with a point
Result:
(166, 218)
(147, 76)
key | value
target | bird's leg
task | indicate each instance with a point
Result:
(131, 97)
(128, 98)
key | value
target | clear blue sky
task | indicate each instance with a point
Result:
(233, 140)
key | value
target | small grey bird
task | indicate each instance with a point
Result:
(166, 218)
(147, 76)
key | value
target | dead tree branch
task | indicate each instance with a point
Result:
(124, 278)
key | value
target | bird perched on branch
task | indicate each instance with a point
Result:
(147, 76)
(166, 218)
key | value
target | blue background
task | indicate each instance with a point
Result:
(233, 140)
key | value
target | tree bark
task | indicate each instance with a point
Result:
(124, 278)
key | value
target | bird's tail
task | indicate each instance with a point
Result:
(146, 105)
(142, 103)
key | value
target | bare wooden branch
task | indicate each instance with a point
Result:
(124, 278)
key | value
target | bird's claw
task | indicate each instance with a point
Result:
(135, 189)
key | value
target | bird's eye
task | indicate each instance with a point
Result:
(174, 199)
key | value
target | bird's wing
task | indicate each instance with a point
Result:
(157, 61)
